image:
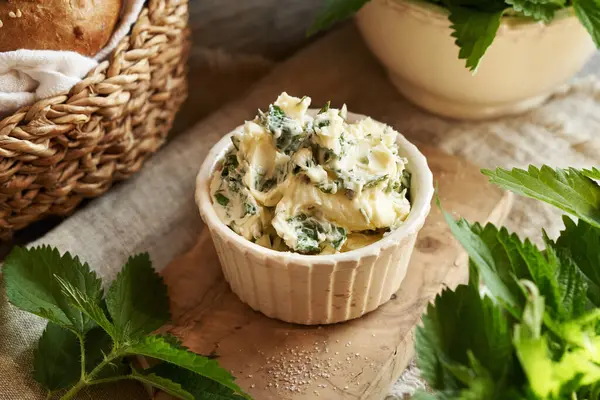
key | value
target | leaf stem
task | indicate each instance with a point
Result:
(87, 380)
(82, 350)
(114, 354)
(74, 390)
(109, 380)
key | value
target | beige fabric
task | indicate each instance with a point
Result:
(155, 211)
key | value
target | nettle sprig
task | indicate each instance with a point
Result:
(93, 338)
(475, 23)
(533, 332)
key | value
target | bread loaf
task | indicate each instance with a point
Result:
(83, 26)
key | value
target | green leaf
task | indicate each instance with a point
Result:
(593, 173)
(533, 313)
(287, 132)
(568, 189)
(500, 281)
(501, 259)
(572, 288)
(325, 108)
(161, 349)
(164, 384)
(540, 10)
(549, 378)
(222, 200)
(588, 12)
(57, 359)
(553, 272)
(137, 301)
(98, 344)
(449, 353)
(199, 386)
(474, 31)
(31, 285)
(88, 306)
(334, 11)
(582, 241)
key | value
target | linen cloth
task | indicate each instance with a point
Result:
(155, 210)
(30, 75)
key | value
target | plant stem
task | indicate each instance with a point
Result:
(74, 390)
(87, 380)
(82, 350)
(111, 379)
(114, 354)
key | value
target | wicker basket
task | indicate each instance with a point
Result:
(64, 149)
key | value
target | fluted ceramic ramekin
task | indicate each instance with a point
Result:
(317, 289)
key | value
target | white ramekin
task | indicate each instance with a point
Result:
(522, 67)
(322, 289)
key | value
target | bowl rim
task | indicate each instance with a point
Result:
(420, 205)
(442, 13)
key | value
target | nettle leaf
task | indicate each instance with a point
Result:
(288, 133)
(88, 306)
(582, 242)
(572, 288)
(334, 11)
(57, 358)
(554, 273)
(474, 31)
(593, 173)
(568, 189)
(164, 384)
(502, 259)
(98, 344)
(137, 300)
(161, 349)
(554, 378)
(588, 12)
(540, 10)
(451, 355)
(498, 278)
(31, 285)
(199, 386)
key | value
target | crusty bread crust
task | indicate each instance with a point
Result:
(83, 26)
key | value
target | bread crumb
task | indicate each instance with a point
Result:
(12, 14)
(19, 13)
(1, 23)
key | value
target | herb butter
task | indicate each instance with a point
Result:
(312, 184)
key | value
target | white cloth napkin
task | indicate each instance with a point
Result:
(30, 75)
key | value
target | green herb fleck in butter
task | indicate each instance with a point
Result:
(312, 185)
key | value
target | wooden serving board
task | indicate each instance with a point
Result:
(359, 359)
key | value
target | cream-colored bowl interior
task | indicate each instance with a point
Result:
(316, 289)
